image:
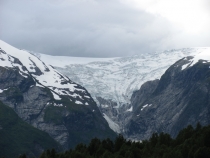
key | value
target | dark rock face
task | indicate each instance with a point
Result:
(71, 119)
(140, 96)
(180, 98)
(119, 116)
(18, 137)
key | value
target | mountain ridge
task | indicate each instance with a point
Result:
(178, 99)
(48, 100)
(18, 137)
(111, 81)
(118, 69)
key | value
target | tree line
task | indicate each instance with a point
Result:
(189, 143)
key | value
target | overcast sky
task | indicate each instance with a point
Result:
(104, 28)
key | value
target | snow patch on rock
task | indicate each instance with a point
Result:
(115, 127)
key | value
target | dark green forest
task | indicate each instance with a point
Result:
(190, 143)
(16, 136)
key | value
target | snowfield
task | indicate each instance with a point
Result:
(117, 78)
(113, 79)
(200, 55)
(43, 74)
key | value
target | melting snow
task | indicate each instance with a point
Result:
(56, 97)
(46, 76)
(114, 126)
(185, 66)
(78, 102)
(203, 55)
(131, 109)
(117, 78)
(1, 91)
(104, 106)
(59, 105)
(145, 106)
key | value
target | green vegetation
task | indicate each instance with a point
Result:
(56, 114)
(190, 143)
(16, 136)
(79, 120)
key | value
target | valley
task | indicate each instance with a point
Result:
(72, 100)
(112, 81)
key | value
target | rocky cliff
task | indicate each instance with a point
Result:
(18, 137)
(111, 81)
(180, 98)
(48, 100)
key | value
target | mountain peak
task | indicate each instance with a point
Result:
(43, 74)
(204, 54)
(48, 100)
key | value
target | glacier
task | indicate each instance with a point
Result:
(116, 78)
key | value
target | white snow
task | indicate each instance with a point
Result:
(2, 90)
(59, 105)
(44, 75)
(39, 85)
(104, 106)
(144, 107)
(114, 126)
(184, 66)
(117, 78)
(56, 97)
(78, 102)
(131, 109)
(203, 54)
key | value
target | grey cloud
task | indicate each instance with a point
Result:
(85, 28)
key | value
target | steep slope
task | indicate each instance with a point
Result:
(48, 100)
(180, 98)
(18, 137)
(116, 78)
(111, 81)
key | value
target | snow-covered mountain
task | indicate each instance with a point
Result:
(116, 78)
(112, 81)
(44, 75)
(180, 98)
(48, 100)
